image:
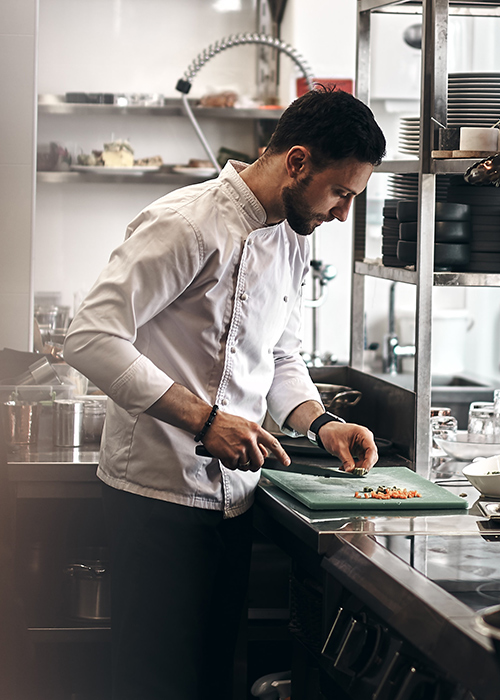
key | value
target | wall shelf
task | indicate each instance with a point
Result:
(172, 107)
(159, 178)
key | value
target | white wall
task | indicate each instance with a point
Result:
(18, 19)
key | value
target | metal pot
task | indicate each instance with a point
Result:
(338, 399)
(488, 622)
(89, 594)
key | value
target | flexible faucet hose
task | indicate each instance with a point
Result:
(184, 84)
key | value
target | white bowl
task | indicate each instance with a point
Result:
(458, 446)
(484, 475)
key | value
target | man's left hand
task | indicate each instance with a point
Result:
(353, 444)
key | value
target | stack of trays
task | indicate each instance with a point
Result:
(452, 235)
(390, 235)
(484, 204)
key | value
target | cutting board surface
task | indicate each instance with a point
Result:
(337, 492)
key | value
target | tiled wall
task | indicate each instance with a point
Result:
(18, 20)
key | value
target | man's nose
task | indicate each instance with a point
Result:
(341, 210)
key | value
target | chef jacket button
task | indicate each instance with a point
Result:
(224, 402)
(269, 350)
(285, 298)
(233, 349)
(244, 296)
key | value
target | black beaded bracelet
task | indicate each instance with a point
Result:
(199, 436)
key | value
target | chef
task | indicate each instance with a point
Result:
(193, 331)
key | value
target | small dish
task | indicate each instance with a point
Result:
(484, 475)
(195, 172)
(458, 446)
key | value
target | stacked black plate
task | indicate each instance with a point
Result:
(484, 203)
(452, 233)
(390, 235)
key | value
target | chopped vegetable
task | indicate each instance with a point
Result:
(385, 493)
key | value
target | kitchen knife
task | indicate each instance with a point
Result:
(329, 471)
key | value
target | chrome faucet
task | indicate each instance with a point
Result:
(392, 351)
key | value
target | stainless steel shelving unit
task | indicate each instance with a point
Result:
(433, 104)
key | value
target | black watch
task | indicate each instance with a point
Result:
(317, 423)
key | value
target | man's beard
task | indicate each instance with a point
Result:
(297, 212)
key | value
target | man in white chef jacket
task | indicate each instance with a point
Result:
(193, 331)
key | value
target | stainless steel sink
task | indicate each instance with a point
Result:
(455, 391)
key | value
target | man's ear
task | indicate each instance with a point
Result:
(297, 161)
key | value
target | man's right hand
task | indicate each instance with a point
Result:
(237, 442)
(241, 444)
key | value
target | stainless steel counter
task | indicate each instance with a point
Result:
(418, 578)
(423, 574)
(54, 472)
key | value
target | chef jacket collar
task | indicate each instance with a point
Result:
(251, 205)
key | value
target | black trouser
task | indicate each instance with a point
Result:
(178, 584)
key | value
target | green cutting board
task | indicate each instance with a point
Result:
(337, 492)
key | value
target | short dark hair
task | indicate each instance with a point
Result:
(333, 124)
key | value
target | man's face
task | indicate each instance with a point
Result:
(324, 195)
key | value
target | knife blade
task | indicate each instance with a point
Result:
(357, 473)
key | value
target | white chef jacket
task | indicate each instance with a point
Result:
(204, 294)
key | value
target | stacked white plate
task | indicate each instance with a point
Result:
(405, 186)
(473, 99)
(409, 135)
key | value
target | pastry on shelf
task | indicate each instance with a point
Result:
(118, 154)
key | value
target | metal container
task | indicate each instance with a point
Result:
(20, 422)
(94, 413)
(68, 422)
(338, 399)
(488, 622)
(89, 590)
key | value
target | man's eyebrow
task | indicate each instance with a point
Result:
(346, 189)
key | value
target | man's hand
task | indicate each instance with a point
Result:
(242, 444)
(237, 442)
(353, 444)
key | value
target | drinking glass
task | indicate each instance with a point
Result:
(481, 424)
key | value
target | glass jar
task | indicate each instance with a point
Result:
(481, 423)
(443, 425)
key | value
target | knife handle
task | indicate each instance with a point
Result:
(202, 451)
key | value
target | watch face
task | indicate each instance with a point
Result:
(312, 437)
